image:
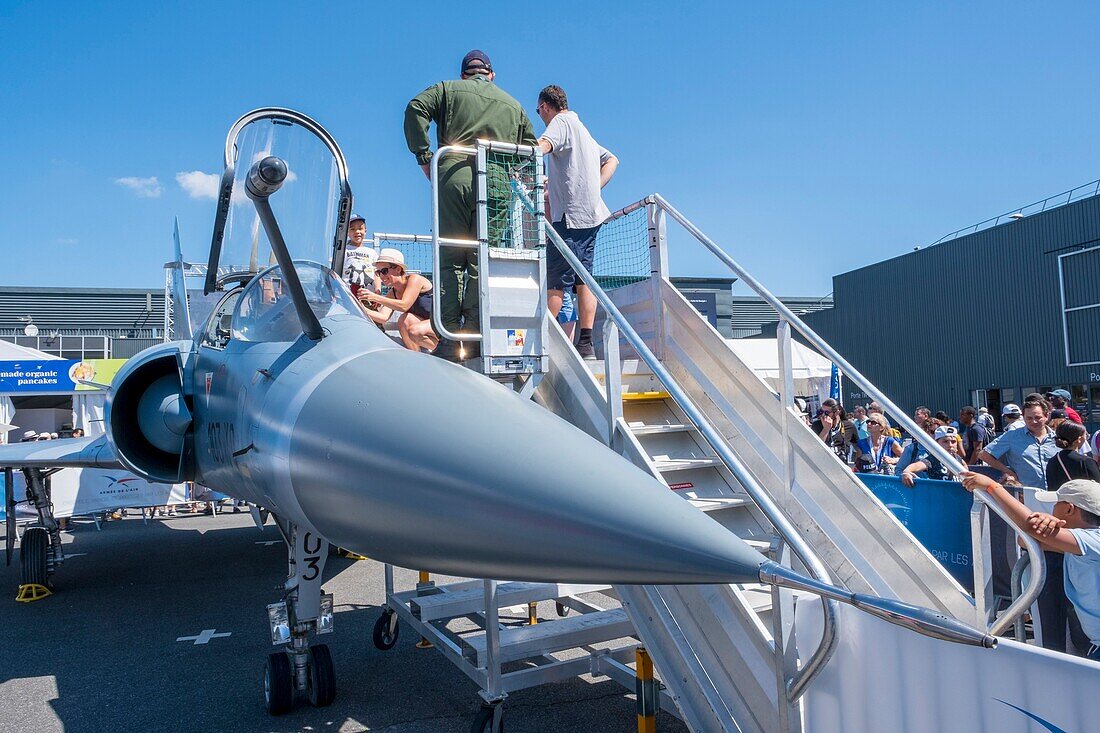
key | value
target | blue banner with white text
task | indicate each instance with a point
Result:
(937, 513)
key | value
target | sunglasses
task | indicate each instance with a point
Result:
(386, 270)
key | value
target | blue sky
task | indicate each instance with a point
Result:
(806, 138)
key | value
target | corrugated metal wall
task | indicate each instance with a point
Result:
(82, 308)
(979, 312)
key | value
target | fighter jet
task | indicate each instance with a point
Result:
(293, 400)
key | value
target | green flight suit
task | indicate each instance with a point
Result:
(464, 111)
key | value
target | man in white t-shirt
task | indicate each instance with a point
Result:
(358, 258)
(577, 167)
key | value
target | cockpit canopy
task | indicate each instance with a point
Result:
(265, 311)
(312, 206)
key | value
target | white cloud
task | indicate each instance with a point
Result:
(148, 188)
(199, 185)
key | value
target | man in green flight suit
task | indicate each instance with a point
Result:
(464, 111)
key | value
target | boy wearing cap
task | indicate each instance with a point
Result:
(464, 111)
(358, 258)
(1073, 529)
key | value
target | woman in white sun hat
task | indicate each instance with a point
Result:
(409, 294)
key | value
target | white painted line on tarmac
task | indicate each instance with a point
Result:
(205, 636)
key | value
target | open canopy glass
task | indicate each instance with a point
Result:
(312, 207)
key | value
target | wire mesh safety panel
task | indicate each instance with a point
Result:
(510, 224)
(622, 251)
(418, 254)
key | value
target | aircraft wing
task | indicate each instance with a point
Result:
(94, 452)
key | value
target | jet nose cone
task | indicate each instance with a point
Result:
(421, 463)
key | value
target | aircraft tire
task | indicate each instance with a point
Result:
(384, 639)
(561, 609)
(278, 684)
(33, 551)
(322, 676)
(483, 721)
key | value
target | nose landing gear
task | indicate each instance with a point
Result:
(300, 670)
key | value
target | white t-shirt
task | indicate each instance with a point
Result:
(573, 169)
(359, 265)
(1082, 581)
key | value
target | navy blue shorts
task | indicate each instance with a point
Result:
(582, 242)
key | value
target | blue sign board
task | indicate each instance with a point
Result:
(28, 377)
(937, 513)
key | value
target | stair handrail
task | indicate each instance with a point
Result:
(1016, 609)
(922, 620)
(802, 549)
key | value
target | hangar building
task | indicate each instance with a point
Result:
(984, 316)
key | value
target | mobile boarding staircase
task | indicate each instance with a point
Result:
(670, 395)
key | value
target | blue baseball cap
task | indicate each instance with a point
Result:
(357, 217)
(476, 60)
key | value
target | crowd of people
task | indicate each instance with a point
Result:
(1043, 446)
(31, 436)
(463, 111)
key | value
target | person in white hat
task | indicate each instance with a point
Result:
(1073, 529)
(1011, 417)
(409, 294)
(29, 435)
(948, 438)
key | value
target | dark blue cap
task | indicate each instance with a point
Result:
(476, 60)
(356, 217)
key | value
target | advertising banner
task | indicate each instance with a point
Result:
(937, 513)
(55, 375)
(77, 491)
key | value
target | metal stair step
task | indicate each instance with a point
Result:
(661, 428)
(667, 465)
(546, 637)
(717, 503)
(453, 604)
(645, 396)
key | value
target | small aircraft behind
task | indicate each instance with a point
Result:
(291, 399)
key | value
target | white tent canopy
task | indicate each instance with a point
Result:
(812, 371)
(15, 352)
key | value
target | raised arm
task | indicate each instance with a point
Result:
(1043, 527)
(408, 297)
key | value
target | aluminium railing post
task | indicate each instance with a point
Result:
(658, 270)
(437, 319)
(981, 560)
(484, 299)
(786, 398)
(613, 382)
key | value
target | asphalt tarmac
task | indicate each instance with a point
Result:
(102, 653)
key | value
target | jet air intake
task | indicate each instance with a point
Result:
(149, 416)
